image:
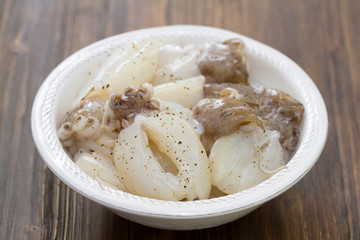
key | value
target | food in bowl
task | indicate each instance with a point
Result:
(180, 122)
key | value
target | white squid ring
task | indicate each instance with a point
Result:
(140, 170)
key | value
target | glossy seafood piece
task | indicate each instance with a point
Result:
(282, 113)
(125, 107)
(277, 110)
(132, 66)
(224, 62)
(139, 165)
(245, 158)
(100, 168)
(185, 92)
(81, 124)
(176, 63)
(183, 113)
(249, 94)
(222, 116)
(86, 108)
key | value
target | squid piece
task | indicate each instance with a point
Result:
(96, 95)
(86, 108)
(176, 142)
(222, 116)
(225, 62)
(121, 109)
(99, 168)
(83, 123)
(277, 110)
(284, 114)
(248, 93)
(183, 113)
(245, 158)
(176, 63)
(185, 92)
(134, 67)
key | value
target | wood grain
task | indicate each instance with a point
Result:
(323, 37)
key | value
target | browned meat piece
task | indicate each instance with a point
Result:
(132, 103)
(222, 116)
(277, 109)
(224, 62)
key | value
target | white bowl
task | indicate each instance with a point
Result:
(267, 66)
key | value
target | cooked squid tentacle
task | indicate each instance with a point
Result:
(82, 128)
(142, 172)
(83, 121)
(86, 108)
(91, 129)
(123, 108)
(65, 131)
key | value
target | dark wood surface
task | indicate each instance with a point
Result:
(322, 36)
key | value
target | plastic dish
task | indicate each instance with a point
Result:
(267, 67)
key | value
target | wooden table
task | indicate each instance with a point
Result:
(322, 36)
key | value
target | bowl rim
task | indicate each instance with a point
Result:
(42, 124)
